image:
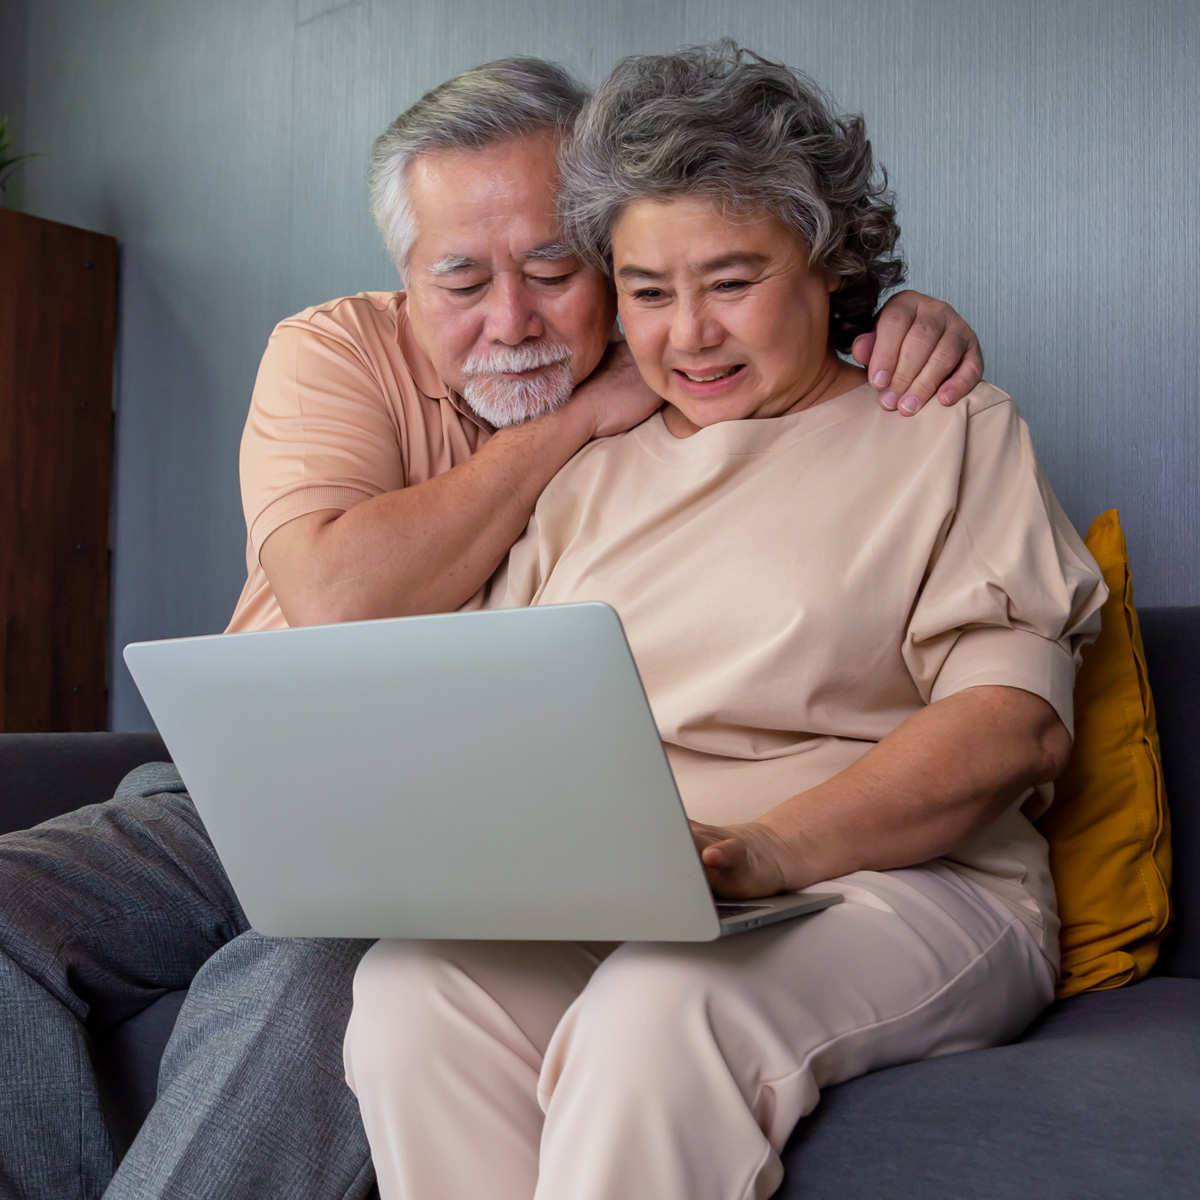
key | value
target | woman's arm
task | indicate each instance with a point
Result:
(938, 778)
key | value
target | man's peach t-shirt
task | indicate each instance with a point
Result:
(346, 406)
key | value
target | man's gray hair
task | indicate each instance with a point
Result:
(754, 137)
(490, 103)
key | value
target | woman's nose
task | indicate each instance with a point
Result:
(512, 315)
(691, 331)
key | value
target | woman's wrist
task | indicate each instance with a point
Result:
(786, 855)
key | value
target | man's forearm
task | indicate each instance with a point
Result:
(425, 548)
(940, 777)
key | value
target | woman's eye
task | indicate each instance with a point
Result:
(648, 294)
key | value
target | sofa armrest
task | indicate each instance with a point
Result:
(45, 774)
(1172, 640)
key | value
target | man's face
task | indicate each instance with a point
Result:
(508, 317)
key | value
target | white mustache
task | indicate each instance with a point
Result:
(514, 359)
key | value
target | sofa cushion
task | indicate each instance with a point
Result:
(43, 775)
(1099, 1099)
(1172, 640)
(1108, 829)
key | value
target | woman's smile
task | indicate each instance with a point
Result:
(710, 381)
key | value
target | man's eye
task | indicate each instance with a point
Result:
(470, 290)
(732, 285)
(648, 294)
(551, 280)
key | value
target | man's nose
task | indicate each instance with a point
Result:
(512, 314)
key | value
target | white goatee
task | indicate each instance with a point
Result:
(503, 401)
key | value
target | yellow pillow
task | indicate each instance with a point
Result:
(1108, 829)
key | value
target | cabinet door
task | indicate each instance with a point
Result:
(57, 318)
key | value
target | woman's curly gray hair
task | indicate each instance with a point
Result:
(752, 135)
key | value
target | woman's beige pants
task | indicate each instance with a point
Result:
(562, 1071)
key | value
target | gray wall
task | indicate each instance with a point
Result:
(1043, 153)
(14, 41)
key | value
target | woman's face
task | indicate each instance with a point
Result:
(722, 313)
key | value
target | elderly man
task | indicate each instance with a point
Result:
(395, 448)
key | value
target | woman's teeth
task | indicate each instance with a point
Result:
(709, 378)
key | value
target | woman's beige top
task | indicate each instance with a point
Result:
(794, 588)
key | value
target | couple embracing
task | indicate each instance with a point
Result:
(858, 630)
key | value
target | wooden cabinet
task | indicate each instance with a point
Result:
(57, 319)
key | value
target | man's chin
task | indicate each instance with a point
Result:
(502, 405)
(502, 417)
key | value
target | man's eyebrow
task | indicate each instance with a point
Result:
(548, 252)
(450, 263)
(739, 258)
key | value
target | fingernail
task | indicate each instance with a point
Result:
(947, 396)
(909, 405)
(889, 400)
(881, 377)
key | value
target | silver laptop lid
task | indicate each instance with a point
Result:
(480, 775)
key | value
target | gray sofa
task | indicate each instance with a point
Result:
(1099, 1099)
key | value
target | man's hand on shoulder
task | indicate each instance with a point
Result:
(614, 395)
(919, 346)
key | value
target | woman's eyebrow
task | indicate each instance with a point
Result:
(739, 258)
(634, 272)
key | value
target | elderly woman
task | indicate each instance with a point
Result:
(859, 643)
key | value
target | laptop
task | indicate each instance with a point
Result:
(463, 775)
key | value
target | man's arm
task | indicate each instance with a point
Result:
(919, 346)
(939, 777)
(430, 547)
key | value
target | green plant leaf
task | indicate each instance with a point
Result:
(8, 164)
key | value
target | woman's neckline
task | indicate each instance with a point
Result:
(837, 374)
(752, 435)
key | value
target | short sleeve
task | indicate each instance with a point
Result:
(1012, 594)
(320, 433)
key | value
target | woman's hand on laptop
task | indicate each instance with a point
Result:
(742, 862)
